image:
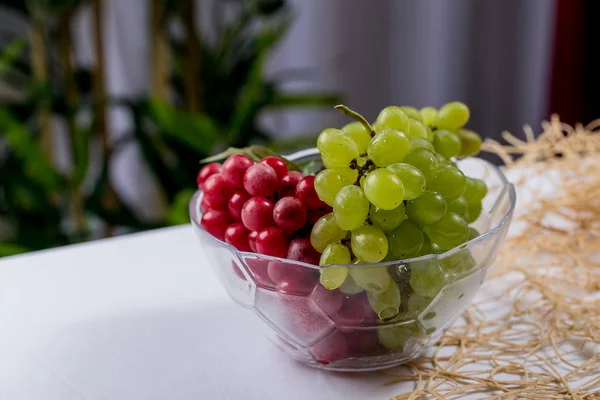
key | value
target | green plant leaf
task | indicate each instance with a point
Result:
(10, 54)
(121, 214)
(12, 249)
(223, 155)
(251, 98)
(303, 100)
(161, 161)
(80, 146)
(197, 131)
(179, 209)
(270, 7)
(255, 152)
(35, 162)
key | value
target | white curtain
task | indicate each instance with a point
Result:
(493, 55)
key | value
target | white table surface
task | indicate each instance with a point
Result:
(143, 317)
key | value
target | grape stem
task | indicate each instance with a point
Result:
(354, 115)
(362, 171)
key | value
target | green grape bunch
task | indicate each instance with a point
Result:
(396, 194)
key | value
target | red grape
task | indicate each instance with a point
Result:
(329, 301)
(205, 205)
(330, 349)
(261, 180)
(215, 222)
(206, 172)
(287, 186)
(289, 214)
(257, 213)
(236, 202)
(371, 316)
(352, 311)
(217, 192)
(234, 169)
(279, 271)
(362, 343)
(258, 270)
(305, 191)
(252, 240)
(301, 287)
(300, 249)
(236, 235)
(271, 242)
(237, 270)
(277, 164)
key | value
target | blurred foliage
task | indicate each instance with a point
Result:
(216, 91)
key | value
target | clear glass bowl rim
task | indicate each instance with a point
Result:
(194, 210)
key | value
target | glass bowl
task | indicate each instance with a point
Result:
(339, 330)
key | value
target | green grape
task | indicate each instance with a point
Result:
(362, 182)
(406, 240)
(470, 143)
(470, 193)
(348, 174)
(384, 189)
(435, 249)
(369, 244)
(426, 248)
(412, 178)
(335, 253)
(480, 189)
(416, 305)
(453, 116)
(474, 211)
(388, 147)
(350, 207)
(473, 233)
(391, 117)
(449, 182)
(326, 231)
(425, 160)
(389, 256)
(418, 142)
(333, 277)
(350, 287)
(416, 129)
(412, 113)
(446, 143)
(386, 304)
(429, 116)
(386, 220)
(443, 161)
(394, 337)
(430, 135)
(359, 133)
(372, 279)
(458, 263)
(328, 183)
(450, 231)
(475, 190)
(460, 207)
(337, 147)
(426, 209)
(426, 277)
